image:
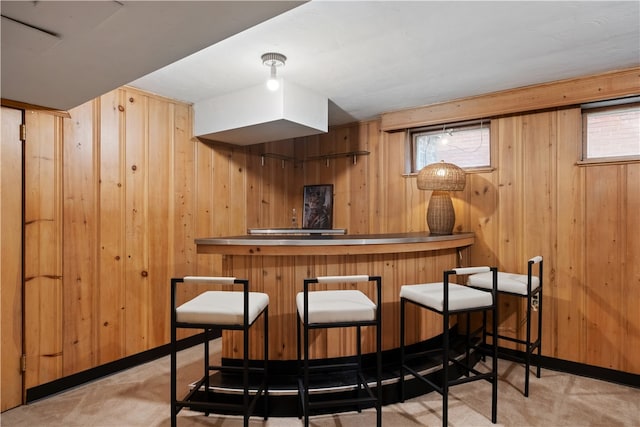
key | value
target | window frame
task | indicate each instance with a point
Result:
(410, 157)
(595, 107)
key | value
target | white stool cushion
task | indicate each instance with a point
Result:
(337, 306)
(460, 297)
(221, 308)
(507, 282)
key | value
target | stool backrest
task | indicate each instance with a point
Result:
(210, 280)
(466, 271)
(358, 278)
(535, 260)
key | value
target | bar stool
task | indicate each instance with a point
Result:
(524, 286)
(448, 298)
(233, 310)
(340, 309)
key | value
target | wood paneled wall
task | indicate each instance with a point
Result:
(43, 247)
(111, 215)
(131, 189)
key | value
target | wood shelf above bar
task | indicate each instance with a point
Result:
(264, 245)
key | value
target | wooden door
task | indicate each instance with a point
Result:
(11, 382)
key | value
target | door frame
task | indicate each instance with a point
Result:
(12, 263)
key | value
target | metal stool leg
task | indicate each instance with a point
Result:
(539, 328)
(245, 375)
(445, 368)
(528, 348)
(379, 371)
(494, 388)
(305, 405)
(266, 364)
(402, 350)
(299, 367)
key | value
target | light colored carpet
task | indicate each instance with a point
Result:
(140, 397)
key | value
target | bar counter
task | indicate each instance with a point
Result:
(278, 264)
(330, 244)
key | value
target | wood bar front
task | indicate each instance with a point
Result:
(277, 265)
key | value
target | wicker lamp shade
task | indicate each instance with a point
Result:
(441, 178)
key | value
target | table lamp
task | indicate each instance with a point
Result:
(441, 178)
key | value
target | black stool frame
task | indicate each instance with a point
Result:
(361, 383)
(471, 373)
(529, 345)
(247, 406)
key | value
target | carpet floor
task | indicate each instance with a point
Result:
(140, 397)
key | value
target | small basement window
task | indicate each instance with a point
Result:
(465, 145)
(611, 132)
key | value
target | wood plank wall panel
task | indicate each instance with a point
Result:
(377, 187)
(344, 172)
(137, 309)
(631, 277)
(280, 187)
(357, 198)
(43, 236)
(525, 163)
(564, 300)
(111, 332)
(203, 212)
(253, 189)
(603, 260)
(396, 194)
(184, 204)
(184, 192)
(79, 247)
(219, 208)
(479, 212)
(184, 256)
(509, 215)
(237, 185)
(161, 213)
(538, 201)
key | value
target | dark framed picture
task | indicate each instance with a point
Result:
(318, 207)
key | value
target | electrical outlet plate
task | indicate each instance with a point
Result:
(535, 302)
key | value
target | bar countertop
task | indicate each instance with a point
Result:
(331, 244)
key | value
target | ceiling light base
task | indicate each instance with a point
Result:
(273, 59)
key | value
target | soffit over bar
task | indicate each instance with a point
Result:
(256, 115)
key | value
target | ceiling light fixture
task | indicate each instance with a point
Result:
(273, 60)
(256, 114)
(444, 137)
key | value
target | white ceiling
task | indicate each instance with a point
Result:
(60, 54)
(367, 57)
